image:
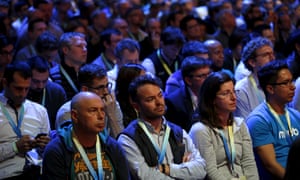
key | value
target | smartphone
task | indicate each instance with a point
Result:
(40, 134)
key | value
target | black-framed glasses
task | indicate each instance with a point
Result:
(284, 83)
(265, 54)
(200, 76)
(102, 87)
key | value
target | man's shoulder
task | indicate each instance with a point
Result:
(54, 86)
(244, 83)
(30, 104)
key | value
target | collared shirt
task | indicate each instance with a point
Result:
(193, 169)
(35, 119)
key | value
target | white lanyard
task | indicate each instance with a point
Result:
(287, 116)
(257, 92)
(86, 159)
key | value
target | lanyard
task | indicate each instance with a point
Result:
(231, 156)
(107, 64)
(287, 117)
(68, 78)
(164, 64)
(32, 49)
(16, 128)
(44, 97)
(257, 92)
(161, 153)
(86, 159)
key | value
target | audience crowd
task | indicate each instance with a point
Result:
(149, 89)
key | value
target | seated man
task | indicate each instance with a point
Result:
(21, 120)
(182, 103)
(93, 78)
(154, 147)
(274, 126)
(255, 54)
(47, 93)
(80, 151)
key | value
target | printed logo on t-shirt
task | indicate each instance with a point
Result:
(83, 173)
(284, 134)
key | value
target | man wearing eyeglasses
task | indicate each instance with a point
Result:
(273, 125)
(93, 78)
(255, 54)
(182, 103)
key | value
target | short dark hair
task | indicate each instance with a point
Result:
(46, 41)
(89, 72)
(22, 68)
(4, 41)
(268, 74)
(130, 44)
(106, 35)
(38, 63)
(172, 35)
(207, 95)
(193, 63)
(188, 18)
(32, 23)
(141, 81)
(191, 48)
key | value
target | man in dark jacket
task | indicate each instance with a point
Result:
(83, 149)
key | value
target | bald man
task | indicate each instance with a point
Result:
(75, 152)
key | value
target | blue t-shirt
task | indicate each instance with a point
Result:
(265, 129)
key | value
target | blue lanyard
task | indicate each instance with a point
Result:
(161, 153)
(68, 78)
(44, 97)
(16, 128)
(86, 159)
(230, 156)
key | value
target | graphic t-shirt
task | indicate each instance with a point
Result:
(83, 173)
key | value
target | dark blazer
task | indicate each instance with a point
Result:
(180, 108)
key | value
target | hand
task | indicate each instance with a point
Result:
(186, 157)
(42, 141)
(25, 144)
(109, 104)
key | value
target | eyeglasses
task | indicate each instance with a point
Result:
(6, 53)
(284, 83)
(265, 54)
(102, 87)
(201, 76)
(226, 94)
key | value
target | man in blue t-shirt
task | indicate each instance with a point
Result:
(273, 126)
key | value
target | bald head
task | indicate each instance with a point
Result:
(78, 99)
(87, 113)
(211, 43)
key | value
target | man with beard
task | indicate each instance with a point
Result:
(21, 122)
(47, 93)
(274, 126)
(154, 147)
